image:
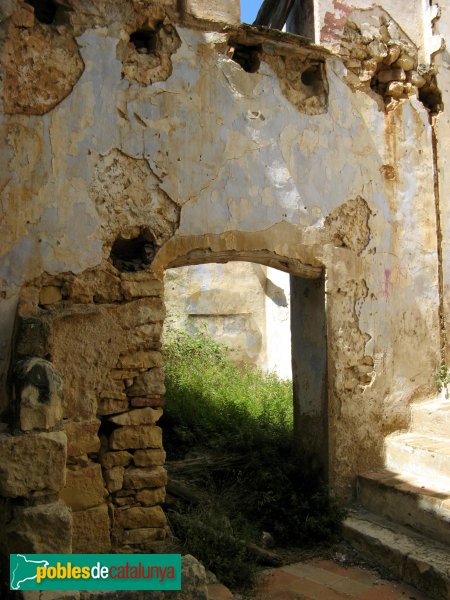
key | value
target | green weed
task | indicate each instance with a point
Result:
(216, 406)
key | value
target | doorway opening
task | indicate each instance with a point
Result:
(242, 389)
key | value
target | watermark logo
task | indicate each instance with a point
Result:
(95, 572)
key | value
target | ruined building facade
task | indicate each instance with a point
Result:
(139, 136)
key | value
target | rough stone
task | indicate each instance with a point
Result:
(149, 383)
(114, 478)
(126, 194)
(113, 389)
(38, 394)
(140, 416)
(149, 458)
(32, 462)
(41, 529)
(41, 66)
(137, 436)
(132, 289)
(391, 75)
(141, 360)
(50, 294)
(140, 312)
(82, 437)
(377, 50)
(111, 406)
(96, 340)
(395, 89)
(137, 478)
(116, 459)
(155, 402)
(405, 62)
(143, 536)
(91, 530)
(139, 517)
(349, 225)
(151, 497)
(100, 285)
(84, 488)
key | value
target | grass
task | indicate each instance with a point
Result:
(215, 406)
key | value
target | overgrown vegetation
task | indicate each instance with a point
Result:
(443, 377)
(217, 408)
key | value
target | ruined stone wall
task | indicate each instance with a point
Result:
(163, 142)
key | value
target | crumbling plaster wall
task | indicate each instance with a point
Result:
(226, 165)
(442, 128)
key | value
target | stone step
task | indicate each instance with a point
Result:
(424, 457)
(407, 555)
(431, 418)
(405, 501)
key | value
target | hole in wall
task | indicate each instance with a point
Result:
(44, 10)
(312, 75)
(145, 41)
(431, 97)
(135, 254)
(248, 57)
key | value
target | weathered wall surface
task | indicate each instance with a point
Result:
(442, 27)
(173, 144)
(242, 305)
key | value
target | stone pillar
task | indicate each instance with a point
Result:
(309, 369)
(33, 464)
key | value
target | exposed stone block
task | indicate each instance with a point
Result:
(95, 285)
(45, 528)
(124, 373)
(149, 383)
(391, 75)
(140, 285)
(38, 394)
(91, 530)
(30, 462)
(84, 488)
(140, 416)
(136, 478)
(137, 436)
(154, 402)
(82, 437)
(143, 536)
(50, 294)
(151, 497)
(140, 312)
(114, 478)
(111, 406)
(138, 517)
(141, 360)
(214, 10)
(116, 459)
(113, 389)
(149, 458)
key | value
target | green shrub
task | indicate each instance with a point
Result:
(214, 403)
(217, 542)
(443, 377)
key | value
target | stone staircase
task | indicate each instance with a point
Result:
(402, 517)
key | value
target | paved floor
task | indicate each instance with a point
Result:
(323, 580)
